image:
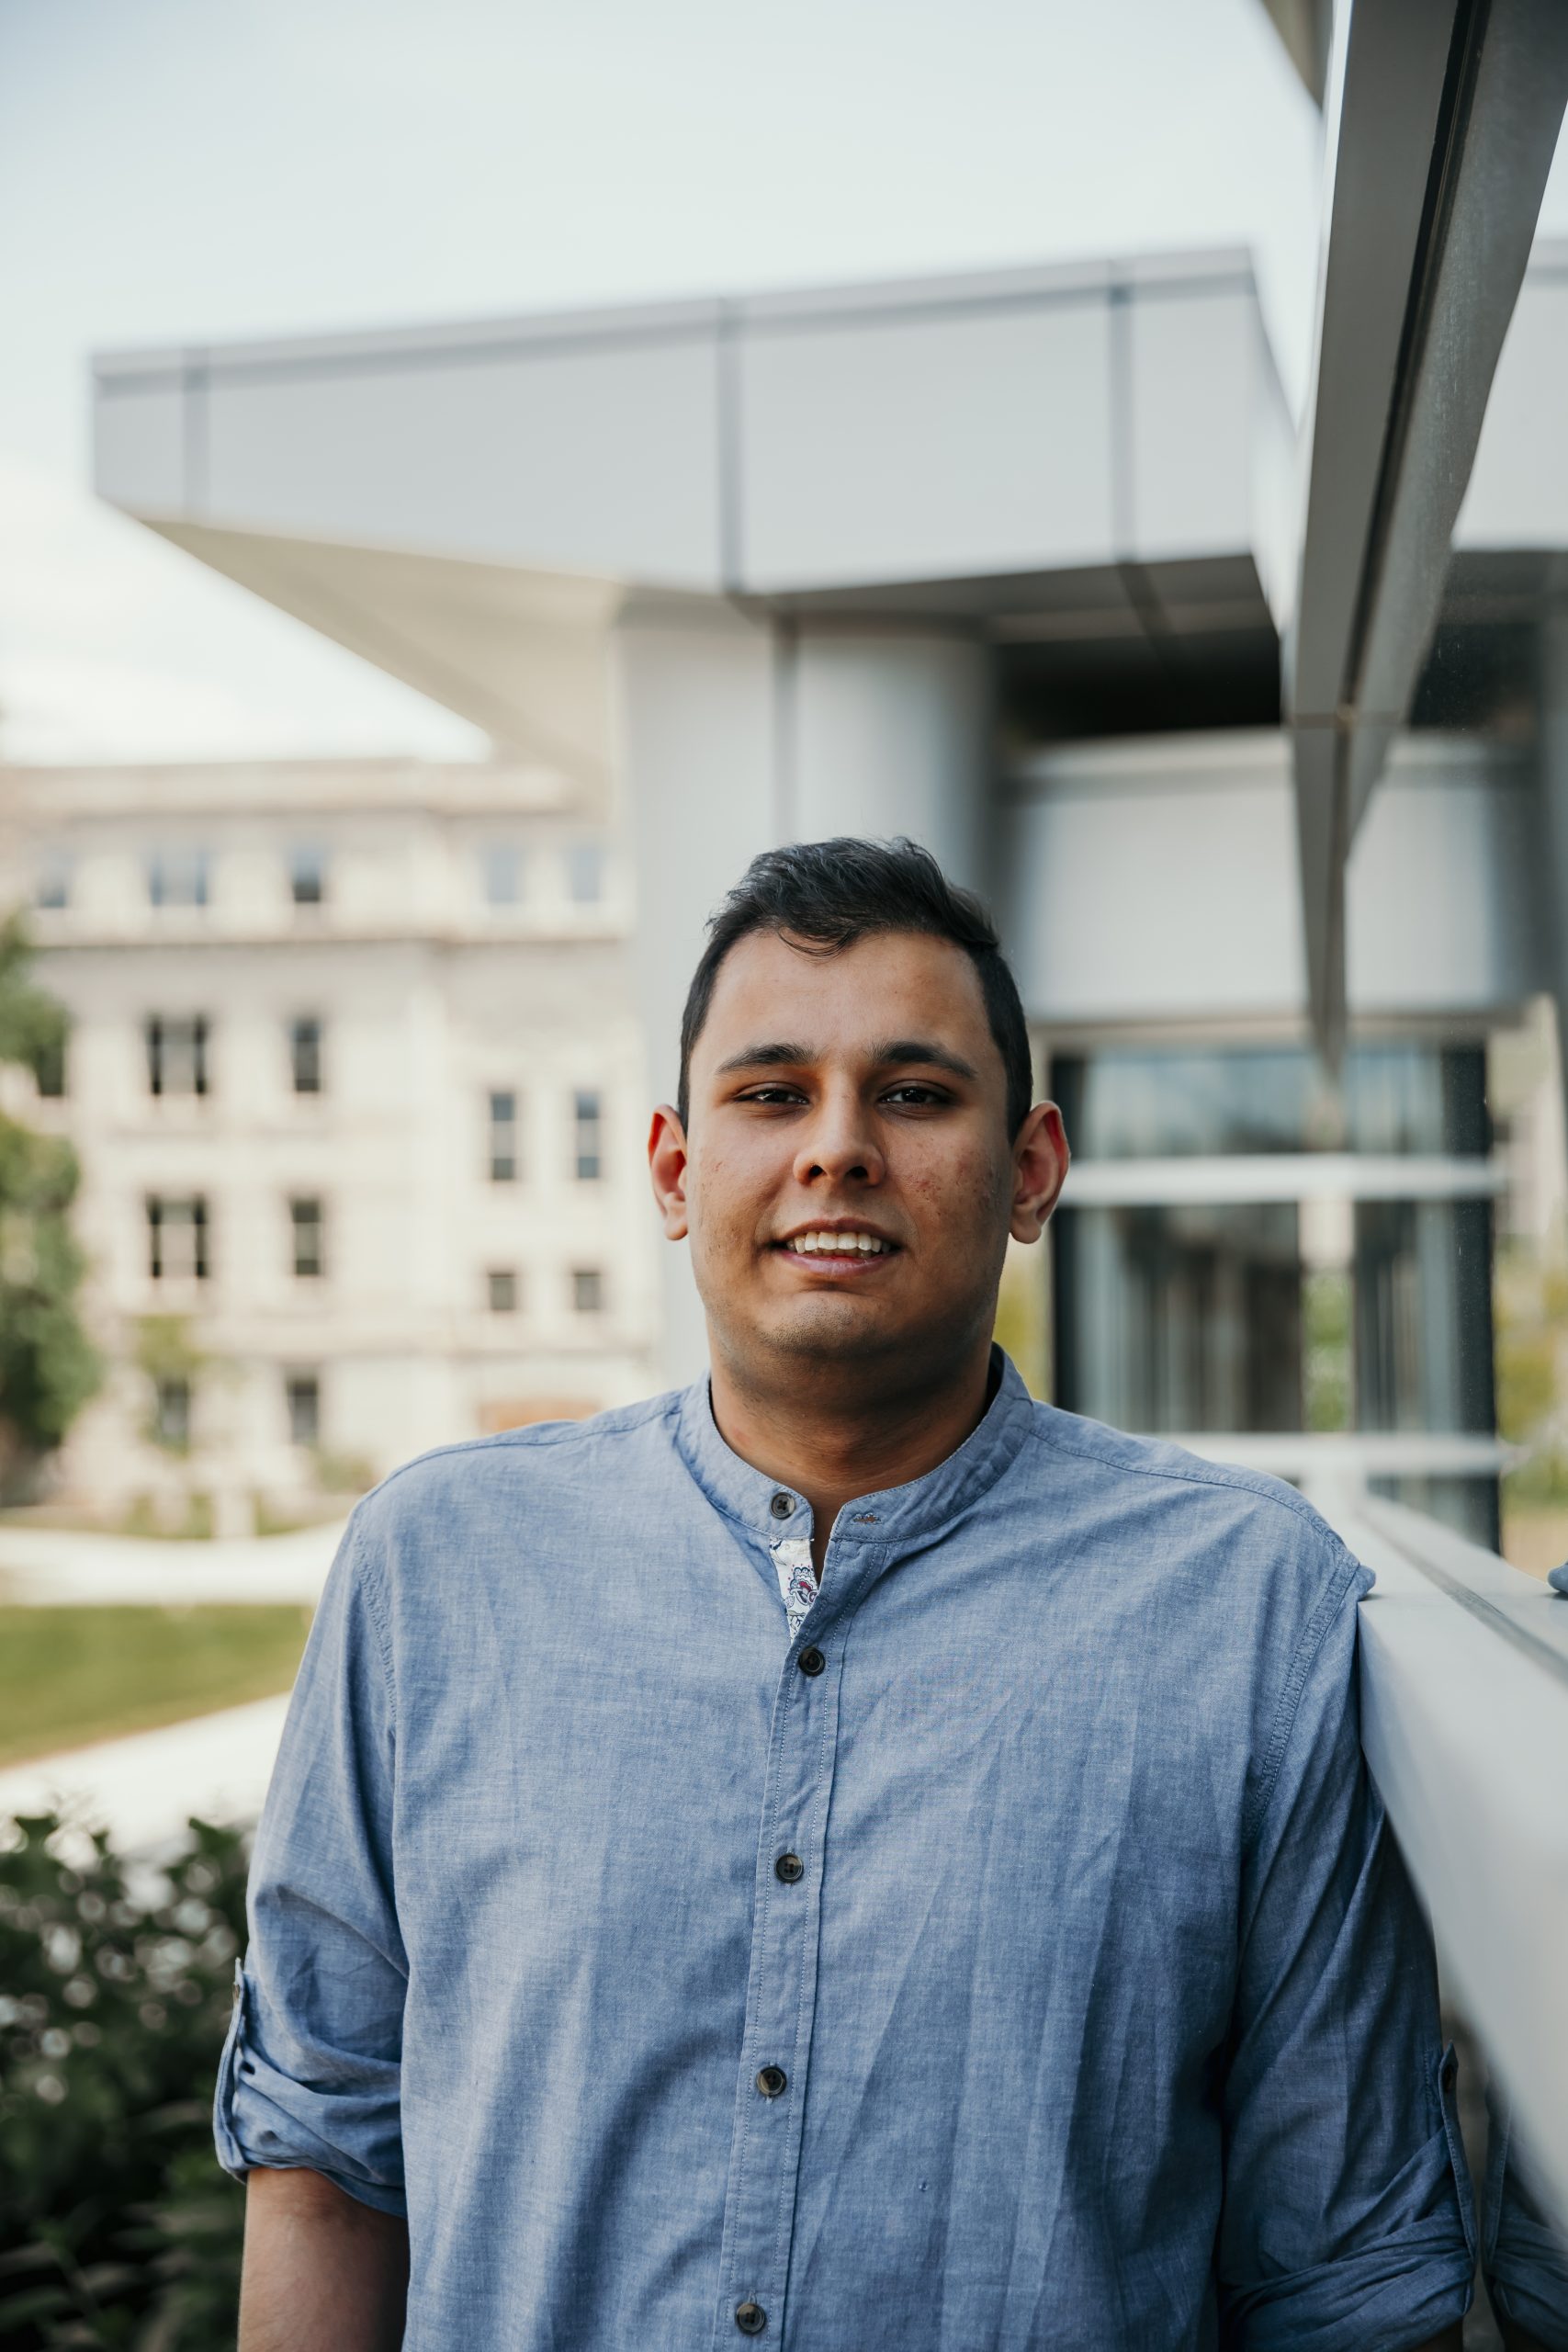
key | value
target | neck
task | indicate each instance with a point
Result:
(831, 1440)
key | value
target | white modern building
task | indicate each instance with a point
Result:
(1003, 562)
(356, 1090)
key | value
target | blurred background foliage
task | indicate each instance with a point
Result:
(1530, 1307)
(117, 2227)
(48, 1367)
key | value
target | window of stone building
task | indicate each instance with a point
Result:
(171, 1413)
(176, 1054)
(587, 1115)
(48, 1067)
(305, 1053)
(309, 1220)
(585, 874)
(303, 1391)
(307, 874)
(52, 881)
(587, 1290)
(177, 876)
(500, 873)
(502, 1289)
(177, 1238)
(503, 1148)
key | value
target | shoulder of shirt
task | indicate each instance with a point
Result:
(467, 1460)
(1158, 1461)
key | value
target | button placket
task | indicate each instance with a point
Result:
(781, 1993)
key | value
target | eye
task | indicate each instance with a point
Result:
(771, 1096)
(912, 1095)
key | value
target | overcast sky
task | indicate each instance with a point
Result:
(186, 170)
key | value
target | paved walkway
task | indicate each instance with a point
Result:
(45, 1564)
(143, 1789)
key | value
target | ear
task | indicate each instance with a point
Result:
(1040, 1161)
(667, 1166)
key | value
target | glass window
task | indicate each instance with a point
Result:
(585, 874)
(501, 1290)
(176, 1054)
(1423, 1316)
(309, 1222)
(177, 878)
(305, 1053)
(303, 1392)
(49, 1066)
(1179, 1318)
(1136, 1104)
(503, 1137)
(587, 1124)
(307, 874)
(52, 881)
(1411, 1098)
(176, 1238)
(587, 1290)
(500, 870)
(171, 1413)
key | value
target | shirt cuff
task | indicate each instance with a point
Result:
(263, 2121)
(1527, 2277)
(1397, 2295)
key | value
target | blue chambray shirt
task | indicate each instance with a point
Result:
(1042, 1863)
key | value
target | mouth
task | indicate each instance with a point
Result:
(837, 1249)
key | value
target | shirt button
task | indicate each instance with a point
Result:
(811, 1661)
(781, 1507)
(772, 2080)
(751, 2318)
(789, 1866)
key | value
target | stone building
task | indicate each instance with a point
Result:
(354, 1081)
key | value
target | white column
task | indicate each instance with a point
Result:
(1555, 814)
(735, 735)
(890, 733)
(698, 730)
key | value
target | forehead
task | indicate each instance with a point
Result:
(894, 984)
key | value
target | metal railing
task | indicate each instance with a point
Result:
(1464, 1700)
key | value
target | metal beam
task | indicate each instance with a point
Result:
(1306, 29)
(1444, 116)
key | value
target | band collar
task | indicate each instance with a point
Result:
(896, 1514)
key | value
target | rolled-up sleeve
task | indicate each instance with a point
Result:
(1348, 2221)
(310, 2073)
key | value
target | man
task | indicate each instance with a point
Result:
(844, 1854)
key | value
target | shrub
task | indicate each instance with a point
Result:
(117, 2227)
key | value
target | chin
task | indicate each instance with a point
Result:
(839, 1328)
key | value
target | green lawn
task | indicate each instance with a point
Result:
(68, 1676)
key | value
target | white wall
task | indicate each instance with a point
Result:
(1155, 880)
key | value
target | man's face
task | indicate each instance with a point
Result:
(848, 1183)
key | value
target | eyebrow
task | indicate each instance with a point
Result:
(895, 1053)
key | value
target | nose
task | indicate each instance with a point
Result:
(839, 1144)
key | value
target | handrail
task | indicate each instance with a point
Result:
(1464, 1721)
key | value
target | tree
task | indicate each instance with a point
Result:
(48, 1367)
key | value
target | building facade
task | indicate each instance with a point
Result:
(1006, 561)
(354, 1081)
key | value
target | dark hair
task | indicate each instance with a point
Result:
(832, 894)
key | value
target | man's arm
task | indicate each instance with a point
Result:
(322, 2273)
(1347, 2216)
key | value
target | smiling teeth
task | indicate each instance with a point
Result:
(837, 1245)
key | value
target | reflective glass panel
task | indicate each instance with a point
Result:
(1179, 1318)
(1128, 1103)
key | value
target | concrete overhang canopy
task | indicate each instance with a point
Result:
(1085, 448)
